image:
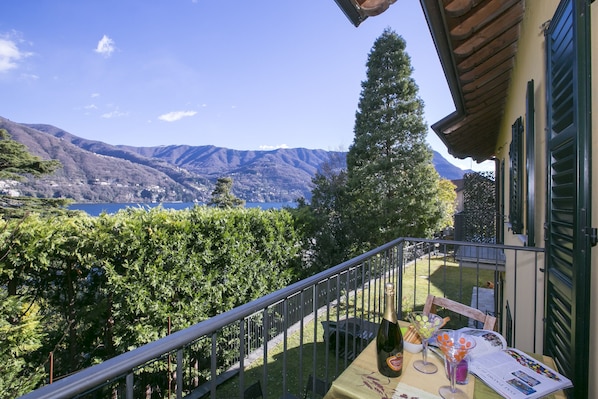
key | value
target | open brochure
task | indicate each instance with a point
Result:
(510, 372)
(486, 341)
(514, 374)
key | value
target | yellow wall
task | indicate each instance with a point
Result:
(530, 64)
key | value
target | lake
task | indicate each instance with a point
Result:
(97, 209)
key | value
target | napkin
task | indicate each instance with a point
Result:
(404, 391)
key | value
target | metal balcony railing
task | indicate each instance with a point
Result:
(315, 327)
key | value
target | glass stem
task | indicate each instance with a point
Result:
(425, 351)
(453, 375)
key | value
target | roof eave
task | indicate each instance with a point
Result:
(462, 138)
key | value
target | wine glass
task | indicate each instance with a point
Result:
(425, 324)
(455, 347)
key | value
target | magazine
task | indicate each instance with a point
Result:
(514, 374)
(510, 372)
(487, 341)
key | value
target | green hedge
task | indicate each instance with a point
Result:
(103, 285)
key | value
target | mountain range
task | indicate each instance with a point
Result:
(93, 171)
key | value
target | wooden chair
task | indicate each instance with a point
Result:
(434, 301)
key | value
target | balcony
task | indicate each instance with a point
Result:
(315, 327)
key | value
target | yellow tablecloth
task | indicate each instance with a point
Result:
(361, 380)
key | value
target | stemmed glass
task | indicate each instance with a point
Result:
(455, 347)
(425, 324)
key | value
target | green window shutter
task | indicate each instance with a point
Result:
(569, 203)
(516, 178)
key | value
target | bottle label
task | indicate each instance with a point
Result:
(395, 362)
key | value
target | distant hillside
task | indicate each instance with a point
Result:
(94, 171)
(446, 169)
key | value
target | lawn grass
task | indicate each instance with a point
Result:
(446, 278)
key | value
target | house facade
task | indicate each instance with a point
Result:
(544, 162)
(542, 146)
(524, 80)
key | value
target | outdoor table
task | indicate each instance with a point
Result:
(361, 380)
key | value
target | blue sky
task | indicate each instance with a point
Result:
(238, 74)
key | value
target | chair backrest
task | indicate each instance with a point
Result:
(254, 391)
(321, 388)
(434, 301)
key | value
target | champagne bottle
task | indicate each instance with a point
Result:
(389, 341)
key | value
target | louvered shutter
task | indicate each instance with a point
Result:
(568, 203)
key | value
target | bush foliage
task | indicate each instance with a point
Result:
(100, 286)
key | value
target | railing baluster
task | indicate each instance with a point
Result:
(179, 374)
(327, 333)
(130, 382)
(265, 339)
(285, 315)
(369, 282)
(515, 301)
(535, 300)
(315, 344)
(213, 360)
(301, 338)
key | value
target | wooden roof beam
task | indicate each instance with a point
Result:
(501, 25)
(489, 70)
(457, 8)
(499, 79)
(482, 16)
(503, 43)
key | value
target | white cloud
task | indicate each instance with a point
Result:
(176, 115)
(105, 46)
(29, 76)
(272, 147)
(10, 55)
(90, 106)
(95, 95)
(114, 114)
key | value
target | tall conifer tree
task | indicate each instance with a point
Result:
(391, 179)
(223, 197)
(16, 162)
